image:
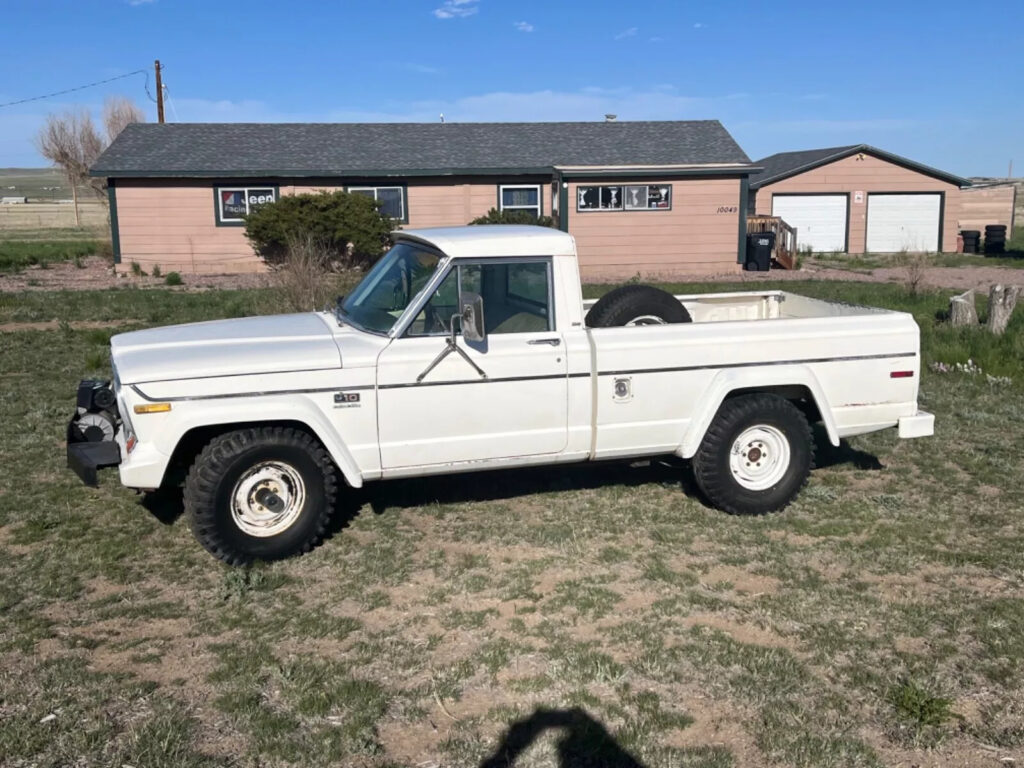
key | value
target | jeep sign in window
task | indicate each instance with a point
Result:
(234, 203)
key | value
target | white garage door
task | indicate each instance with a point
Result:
(820, 220)
(903, 222)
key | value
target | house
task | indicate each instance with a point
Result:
(859, 199)
(654, 198)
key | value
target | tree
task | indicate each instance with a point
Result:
(349, 226)
(118, 113)
(72, 143)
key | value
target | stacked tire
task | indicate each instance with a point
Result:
(972, 240)
(995, 239)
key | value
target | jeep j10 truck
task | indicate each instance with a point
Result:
(471, 348)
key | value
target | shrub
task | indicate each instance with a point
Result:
(173, 278)
(350, 227)
(494, 216)
(304, 278)
(157, 271)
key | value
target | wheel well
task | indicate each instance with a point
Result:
(193, 441)
(798, 394)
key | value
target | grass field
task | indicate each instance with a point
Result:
(595, 613)
(35, 184)
(18, 254)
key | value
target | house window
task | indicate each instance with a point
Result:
(520, 197)
(391, 199)
(629, 197)
(235, 203)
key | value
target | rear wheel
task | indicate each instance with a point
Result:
(756, 456)
(260, 494)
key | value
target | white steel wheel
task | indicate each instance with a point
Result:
(759, 457)
(267, 499)
(646, 320)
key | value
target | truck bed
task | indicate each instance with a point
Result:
(760, 305)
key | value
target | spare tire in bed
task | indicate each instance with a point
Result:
(636, 305)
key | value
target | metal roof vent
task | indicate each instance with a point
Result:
(609, 118)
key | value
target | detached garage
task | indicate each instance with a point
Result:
(859, 199)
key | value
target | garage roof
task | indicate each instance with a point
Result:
(785, 164)
(375, 149)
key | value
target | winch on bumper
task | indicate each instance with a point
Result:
(90, 435)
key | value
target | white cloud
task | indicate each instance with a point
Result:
(631, 32)
(422, 69)
(700, 25)
(457, 9)
(140, 2)
(523, 26)
(655, 39)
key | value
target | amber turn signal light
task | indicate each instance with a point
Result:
(152, 408)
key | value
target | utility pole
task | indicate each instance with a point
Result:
(159, 94)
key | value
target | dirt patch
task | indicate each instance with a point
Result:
(741, 633)
(97, 274)
(742, 580)
(53, 325)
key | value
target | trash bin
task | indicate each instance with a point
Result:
(759, 251)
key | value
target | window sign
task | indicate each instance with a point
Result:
(235, 203)
(631, 197)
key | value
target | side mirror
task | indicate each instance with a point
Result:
(471, 312)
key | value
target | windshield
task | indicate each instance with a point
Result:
(389, 288)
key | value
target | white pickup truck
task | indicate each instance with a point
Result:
(471, 348)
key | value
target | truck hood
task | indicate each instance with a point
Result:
(248, 345)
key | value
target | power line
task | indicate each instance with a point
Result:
(76, 88)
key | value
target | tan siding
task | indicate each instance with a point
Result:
(172, 222)
(690, 238)
(980, 206)
(867, 175)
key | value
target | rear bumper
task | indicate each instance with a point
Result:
(921, 424)
(86, 458)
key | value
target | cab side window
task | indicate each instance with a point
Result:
(516, 294)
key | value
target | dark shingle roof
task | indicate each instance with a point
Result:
(784, 164)
(311, 149)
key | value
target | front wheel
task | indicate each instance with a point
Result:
(260, 494)
(756, 456)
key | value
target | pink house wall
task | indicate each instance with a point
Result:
(172, 222)
(700, 234)
(866, 173)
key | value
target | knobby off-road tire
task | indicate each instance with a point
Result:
(756, 456)
(636, 305)
(260, 494)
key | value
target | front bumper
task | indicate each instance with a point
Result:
(921, 424)
(92, 431)
(86, 458)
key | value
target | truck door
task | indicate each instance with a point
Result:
(454, 414)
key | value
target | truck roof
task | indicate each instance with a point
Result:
(493, 240)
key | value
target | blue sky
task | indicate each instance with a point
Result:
(940, 82)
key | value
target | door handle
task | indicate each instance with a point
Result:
(550, 342)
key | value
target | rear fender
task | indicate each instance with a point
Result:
(753, 380)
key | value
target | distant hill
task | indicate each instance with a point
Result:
(36, 184)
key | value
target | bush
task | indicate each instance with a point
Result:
(494, 216)
(173, 278)
(304, 279)
(350, 228)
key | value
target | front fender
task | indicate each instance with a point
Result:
(194, 414)
(752, 379)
